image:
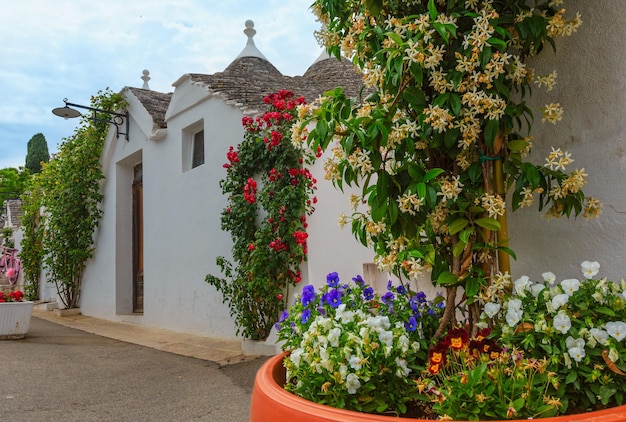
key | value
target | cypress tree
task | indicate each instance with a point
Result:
(37, 153)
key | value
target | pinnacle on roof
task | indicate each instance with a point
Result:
(250, 49)
(145, 77)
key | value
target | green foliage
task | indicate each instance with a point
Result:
(353, 349)
(33, 227)
(7, 237)
(37, 153)
(71, 198)
(12, 183)
(269, 196)
(579, 327)
(476, 379)
(443, 133)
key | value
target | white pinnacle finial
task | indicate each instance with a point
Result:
(250, 31)
(146, 78)
(250, 49)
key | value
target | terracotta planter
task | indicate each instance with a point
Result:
(15, 319)
(271, 403)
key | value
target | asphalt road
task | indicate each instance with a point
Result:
(62, 374)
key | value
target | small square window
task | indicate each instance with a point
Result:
(197, 155)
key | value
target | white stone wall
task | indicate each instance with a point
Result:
(591, 86)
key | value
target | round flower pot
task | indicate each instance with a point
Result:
(271, 403)
(15, 319)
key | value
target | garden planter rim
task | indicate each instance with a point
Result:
(271, 402)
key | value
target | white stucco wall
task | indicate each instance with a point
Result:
(182, 235)
(591, 86)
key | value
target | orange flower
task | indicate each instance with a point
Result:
(434, 368)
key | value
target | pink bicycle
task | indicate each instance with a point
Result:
(10, 264)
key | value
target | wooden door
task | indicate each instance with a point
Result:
(137, 239)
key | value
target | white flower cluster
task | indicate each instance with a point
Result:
(557, 299)
(360, 335)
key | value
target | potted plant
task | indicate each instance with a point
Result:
(15, 314)
(441, 139)
(544, 349)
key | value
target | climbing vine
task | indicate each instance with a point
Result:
(32, 241)
(71, 197)
(270, 195)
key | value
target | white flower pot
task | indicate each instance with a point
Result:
(15, 319)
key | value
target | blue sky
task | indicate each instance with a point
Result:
(71, 49)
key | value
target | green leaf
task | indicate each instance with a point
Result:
(459, 248)
(415, 97)
(421, 190)
(606, 311)
(432, 10)
(447, 278)
(508, 251)
(517, 145)
(491, 131)
(455, 104)
(488, 223)
(457, 225)
(464, 236)
(498, 43)
(441, 28)
(571, 377)
(432, 174)
(532, 174)
(472, 287)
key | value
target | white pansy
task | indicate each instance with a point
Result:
(613, 354)
(562, 322)
(521, 284)
(616, 329)
(514, 304)
(599, 335)
(571, 342)
(343, 372)
(403, 342)
(576, 353)
(536, 288)
(590, 268)
(559, 300)
(364, 332)
(403, 369)
(352, 383)
(386, 337)
(491, 309)
(549, 277)
(355, 363)
(342, 315)
(513, 316)
(570, 285)
(378, 322)
(295, 357)
(333, 336)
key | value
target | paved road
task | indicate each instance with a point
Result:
(62, 374)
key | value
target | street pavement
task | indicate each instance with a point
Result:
(59, 373)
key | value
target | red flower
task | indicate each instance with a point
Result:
(251, 247)
(249, 191)
(457, 338)
(437, 355)
(280, 296)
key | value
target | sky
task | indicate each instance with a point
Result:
(51, 50)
